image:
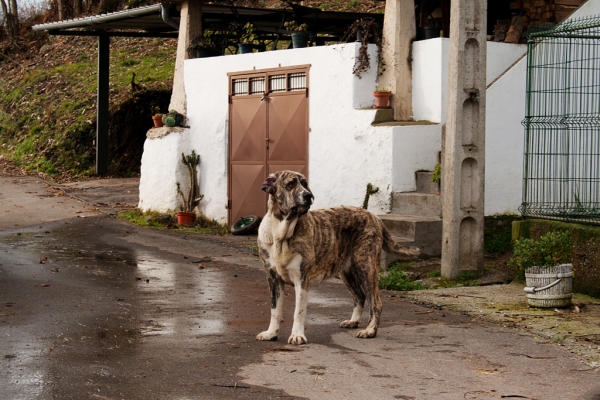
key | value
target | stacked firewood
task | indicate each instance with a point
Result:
(532, 13)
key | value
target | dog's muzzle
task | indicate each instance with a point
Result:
(302, 208)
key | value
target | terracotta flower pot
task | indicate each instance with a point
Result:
(157, 119)
(382, 99)
(185, 218)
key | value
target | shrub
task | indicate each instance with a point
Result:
(551, 249)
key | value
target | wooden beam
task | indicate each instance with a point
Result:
(102, 106)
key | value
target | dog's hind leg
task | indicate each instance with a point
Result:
(365, 270)
(372, 289)
(276, 287)
(358, 296)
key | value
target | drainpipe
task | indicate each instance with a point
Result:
(165, 9)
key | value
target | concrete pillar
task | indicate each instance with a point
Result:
(399, 31)
(190, 26)
(463, 160)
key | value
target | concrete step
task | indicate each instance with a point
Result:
(422, 232)
(425, 182)
(414, 203)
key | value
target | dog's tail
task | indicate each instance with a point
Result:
(391, 246)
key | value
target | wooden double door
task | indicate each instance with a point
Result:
(268, 132)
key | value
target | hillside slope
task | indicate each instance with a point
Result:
(48, 102)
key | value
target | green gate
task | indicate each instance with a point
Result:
(562, 123)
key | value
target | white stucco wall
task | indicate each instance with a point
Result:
(417, 147)
(345, 151)
(430, 73)
(161, 170)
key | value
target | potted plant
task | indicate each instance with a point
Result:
(157, 116)
(382, 98)
(173, 118)
(204, 46)
(247, 39)
(546, 266)
(157, 119)
(188, 203)
(299, 34)
(365, 31)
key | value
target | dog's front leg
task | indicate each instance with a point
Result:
(297, 336)
(276, 287)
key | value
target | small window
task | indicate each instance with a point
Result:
(257, 85)
(240, 87)
(297, 81)
(277, 83)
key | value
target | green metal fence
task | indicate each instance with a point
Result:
(562, 123)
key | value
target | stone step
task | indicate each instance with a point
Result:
(425, 183)
(414, 203)
(422, 232)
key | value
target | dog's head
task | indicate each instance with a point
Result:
(289, 192)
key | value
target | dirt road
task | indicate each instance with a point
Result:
(97, 308)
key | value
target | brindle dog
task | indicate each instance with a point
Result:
(299, 248)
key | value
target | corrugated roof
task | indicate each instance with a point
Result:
(146, 18)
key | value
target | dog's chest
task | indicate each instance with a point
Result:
(287, 264)
(277, 254)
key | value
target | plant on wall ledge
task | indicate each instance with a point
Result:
(365, 30)
(299, 34)
(293, 26)
(173, 118)
(247, 39)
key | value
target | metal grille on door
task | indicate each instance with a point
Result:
(268, 132)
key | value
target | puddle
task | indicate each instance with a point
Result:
(181, 296)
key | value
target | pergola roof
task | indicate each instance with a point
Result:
(163, 20)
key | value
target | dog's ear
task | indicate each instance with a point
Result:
(269, 184)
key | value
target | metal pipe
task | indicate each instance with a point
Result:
(165, 13)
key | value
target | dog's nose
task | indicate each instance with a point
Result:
(308, 197)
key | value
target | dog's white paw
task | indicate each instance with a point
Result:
(366, 333)
(266, 335)
(349, 324)
(297, 339)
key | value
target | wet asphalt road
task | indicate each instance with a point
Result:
(96, 308)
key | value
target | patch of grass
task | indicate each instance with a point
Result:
(202, 224)
(149, 219)
(466, 278)
(435, 274)
(395, 278)
(352, 4)
(560, 339)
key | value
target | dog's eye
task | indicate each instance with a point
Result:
(304, 183)
(291, 185)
